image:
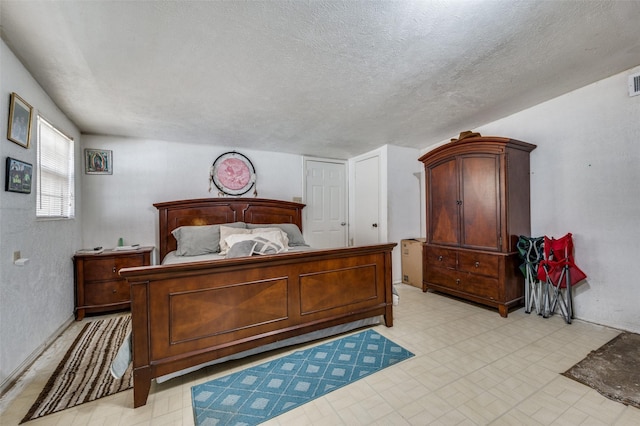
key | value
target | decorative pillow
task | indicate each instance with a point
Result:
(257, 245)
(226, 231)
(203, 239)
(275, 236)
(293, 232)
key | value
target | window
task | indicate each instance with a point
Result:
(55, 173)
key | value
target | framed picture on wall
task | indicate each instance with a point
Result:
(20, 114)
(18, 177)
(98, 161)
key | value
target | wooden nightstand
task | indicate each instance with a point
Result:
(98, 287)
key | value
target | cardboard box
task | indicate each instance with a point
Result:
(412, 261)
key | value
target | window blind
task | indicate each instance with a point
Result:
(55, 168)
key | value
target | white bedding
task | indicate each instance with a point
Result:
(171, 258)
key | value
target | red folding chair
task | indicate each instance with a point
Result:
(559, 273)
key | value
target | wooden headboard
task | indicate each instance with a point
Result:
(212, 211)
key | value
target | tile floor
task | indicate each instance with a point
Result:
(472, 367)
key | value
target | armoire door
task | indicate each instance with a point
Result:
(480, 201)
(443, 203)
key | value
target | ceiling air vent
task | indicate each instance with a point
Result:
(634, 84)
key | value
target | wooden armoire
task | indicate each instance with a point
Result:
(477, 205)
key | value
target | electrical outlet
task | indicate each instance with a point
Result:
(16, 255)
(297, 199)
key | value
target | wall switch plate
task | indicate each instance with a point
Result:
(297, 199)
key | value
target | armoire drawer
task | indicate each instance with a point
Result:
(478, 263)
(443, 277)
(480, 286)
(476, 285)
(440, 257)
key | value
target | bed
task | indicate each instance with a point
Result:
(188, 314)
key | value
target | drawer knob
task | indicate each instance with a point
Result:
(477, 264)
(114, 291)
(114, 269)
(440, 258)
(458, 281)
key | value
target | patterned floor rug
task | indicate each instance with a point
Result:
(259, 393)
(613, 369)
(83, 374)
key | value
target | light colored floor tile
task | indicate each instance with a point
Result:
(471, 367)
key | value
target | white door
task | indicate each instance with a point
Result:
(366, 229)
(326, 210)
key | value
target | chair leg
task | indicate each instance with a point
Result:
(560, 300)
(527, 291)
(569, 295)
(538, 296)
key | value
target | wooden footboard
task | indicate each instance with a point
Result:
(188, 314)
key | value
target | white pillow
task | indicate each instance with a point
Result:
(280, 235)
(276, 236)
(225, 231)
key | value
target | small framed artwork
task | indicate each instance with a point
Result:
(18, 177)
(20, 114)
(98, 161)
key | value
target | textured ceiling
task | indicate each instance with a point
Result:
(325, 78)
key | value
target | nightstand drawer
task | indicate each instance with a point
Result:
(106, 292)
(98, 287)
(107, 268)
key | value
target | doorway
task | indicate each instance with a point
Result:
(367, 227)
(326, 199)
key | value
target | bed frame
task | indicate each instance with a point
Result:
(188, 314)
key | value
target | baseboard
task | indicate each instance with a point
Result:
(8, 385)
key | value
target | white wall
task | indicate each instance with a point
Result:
(585, 179)
(404, 199)
(151, 171)
(36, 299)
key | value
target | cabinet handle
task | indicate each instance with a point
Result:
(440, 258)
(477, 264)
(458, 281)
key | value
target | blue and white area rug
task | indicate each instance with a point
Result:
(254, 395)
